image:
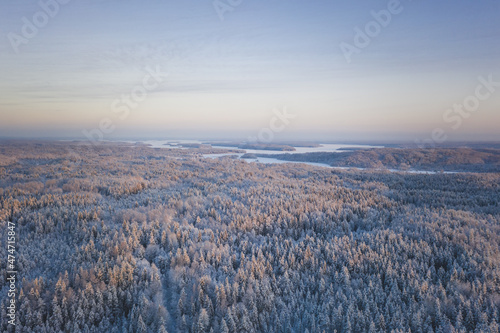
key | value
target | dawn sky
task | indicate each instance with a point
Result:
(222, 69)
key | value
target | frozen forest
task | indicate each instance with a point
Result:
(126, 238)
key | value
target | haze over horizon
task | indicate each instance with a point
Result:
(225, 77)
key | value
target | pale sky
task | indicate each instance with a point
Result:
(225, 77)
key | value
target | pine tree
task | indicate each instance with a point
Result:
(180, 303)
(141, 325)
(203, 322)
(372, 328)
(223, 327)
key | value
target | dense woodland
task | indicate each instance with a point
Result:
(475, 159)
(122, 238)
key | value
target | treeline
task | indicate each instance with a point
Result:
(118, 238)
(432, 159)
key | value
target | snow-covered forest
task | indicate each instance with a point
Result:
(125, 238)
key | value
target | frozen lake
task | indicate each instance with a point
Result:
(324, 147)
(327, 147)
